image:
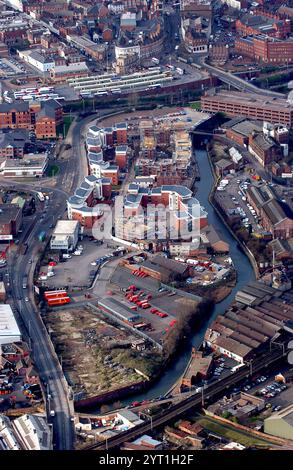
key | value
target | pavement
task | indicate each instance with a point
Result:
(42, 350)
(27, 313)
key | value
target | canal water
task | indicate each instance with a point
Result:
(245, 274)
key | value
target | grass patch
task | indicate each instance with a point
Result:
(67, 120)
(53, 170)
(232, 434)
(195, 105)
(64, 128)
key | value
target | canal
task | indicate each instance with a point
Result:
(245, 274)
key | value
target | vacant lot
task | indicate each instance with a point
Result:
(231, 433)
(83, 341)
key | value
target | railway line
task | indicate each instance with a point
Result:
(193, 401)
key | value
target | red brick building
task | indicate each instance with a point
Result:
(264, 149)
(10, 220)
(121, 156)
(274, 215)
(251, 105)
(264, 49)
(43, 117)
(271, 25)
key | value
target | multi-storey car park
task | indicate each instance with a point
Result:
(111, 83)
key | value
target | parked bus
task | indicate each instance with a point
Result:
(55, 293)
(58, 301)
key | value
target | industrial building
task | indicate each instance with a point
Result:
(241, 405)
(9, 331)
(65, 235)
(33, 432)
(199, 369)
(164, 269)
(122, 312)
(29, 432)
(10, 221)
(275, 215)
(280, 423)
(259, 316)
(30, 166)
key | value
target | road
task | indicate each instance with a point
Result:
(190, 403)
(27, 312)
(42, 351)
(237, 82)
(72, 172)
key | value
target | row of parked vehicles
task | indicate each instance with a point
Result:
(139, 273)
(155, 311)
(270, 391)
(139, 298)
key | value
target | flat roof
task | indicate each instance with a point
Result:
(65, 227)
(250, 99)
(9, 331)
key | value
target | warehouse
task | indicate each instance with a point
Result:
(251, 327)
(9, 331)
(249, 319)
(231, 348)
(118, 309)
(280, 424)
(10, 221)
(165, 269)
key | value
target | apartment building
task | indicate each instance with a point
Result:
(85, 205)
(138, 219)
(42, 117)
(265, 49)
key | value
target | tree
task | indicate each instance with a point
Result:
(104, 409)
